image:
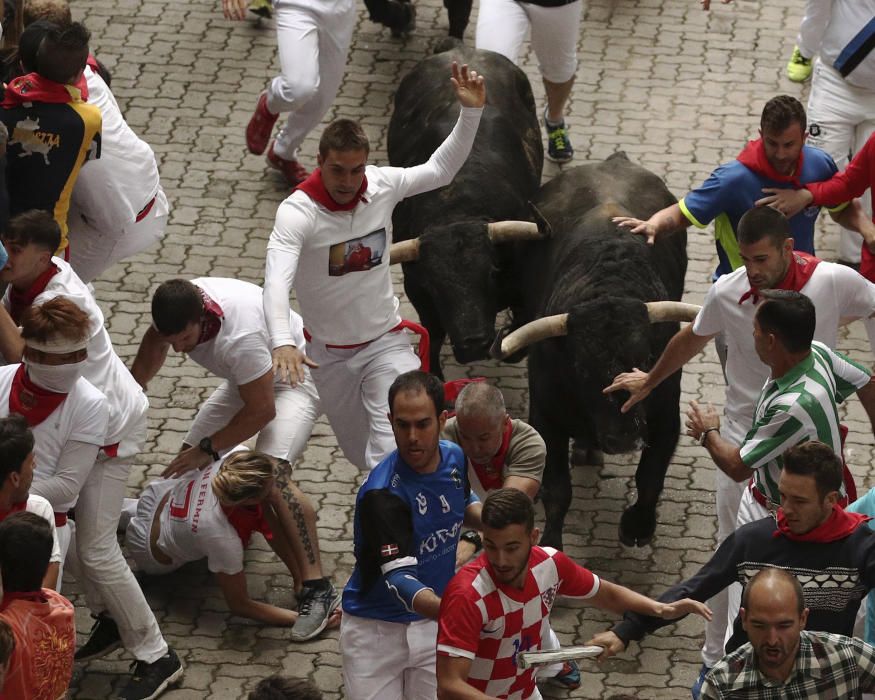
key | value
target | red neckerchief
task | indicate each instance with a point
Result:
(314, 188)
(35, 88)
(799, 271)
(93, 64)
(32, 596)
(753, 157)
(212, 318)
(31, 401)
(19, 301)
(247, 519)
(490, 475)
(16, 508)
(838, 526)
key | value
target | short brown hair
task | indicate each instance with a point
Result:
(817, 460)
(781, 112)
(763, 222)
(343, 135)
(56, 11)
(508, 506)
(33, 226)
(56, 317)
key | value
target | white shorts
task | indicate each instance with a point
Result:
(502, 27)
(388, 660)
(137, 534)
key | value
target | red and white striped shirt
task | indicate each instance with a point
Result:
(490, 623)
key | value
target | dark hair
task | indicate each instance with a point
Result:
(176, 304)
(817, 460)
(789, 316)
(780, 113)
(31, 38)
(285, 688)
(508, 506)
(763, 222)
(63, 52)
(25, 549)
(16, 443)
(415, 381)
(7, 642)
(36, 227)
(771, 573)
(343, 135)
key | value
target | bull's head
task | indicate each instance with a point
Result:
(605, 336)
(459, 266)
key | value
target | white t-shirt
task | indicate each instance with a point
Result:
(111, 190)
(41, 507)
(847, 18)
(241, 350)
(338, 262)
(194, 526)
(81, 417)
(103, 368)
(835, 290)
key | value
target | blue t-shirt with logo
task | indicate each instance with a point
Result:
(406, 522)
(732, 190)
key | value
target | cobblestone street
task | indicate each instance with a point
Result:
(678, 89)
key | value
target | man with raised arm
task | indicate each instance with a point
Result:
(356, 346)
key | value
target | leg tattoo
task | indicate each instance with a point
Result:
(284, 481)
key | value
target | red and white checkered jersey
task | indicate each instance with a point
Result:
(490, 623)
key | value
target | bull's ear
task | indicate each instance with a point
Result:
(544, 227)
(618, 154)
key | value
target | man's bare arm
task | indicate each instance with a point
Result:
(452, 679)
(668, 219)
(150, 357)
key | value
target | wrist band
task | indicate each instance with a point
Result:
(704, 436)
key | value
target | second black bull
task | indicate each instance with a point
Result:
(457, 268)
(590, 291)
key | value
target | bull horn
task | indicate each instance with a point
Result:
(539, 329)
(665, 311)
(503, 231)
(404, 251)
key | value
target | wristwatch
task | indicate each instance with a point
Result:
(473, 537)
(207, 446)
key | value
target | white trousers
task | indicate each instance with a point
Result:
(93, 251)
(816, 18)
(502, 27)
(841, 119)
(354, 388)
(66, 535)
(141, 512)
(728, 497)
(285, 437)
(388, 660)
(97, 560)
(313, 43)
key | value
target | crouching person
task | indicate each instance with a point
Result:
(212, 513)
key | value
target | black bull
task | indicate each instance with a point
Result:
(461, 280)
(601, 276)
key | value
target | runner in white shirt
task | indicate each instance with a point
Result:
(770, 262)
(346, 298)
(212, 513)
(220, 324)
(16, 476)
(123, 615)
(118, 208)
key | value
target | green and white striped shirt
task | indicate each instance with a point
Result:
(795, 408)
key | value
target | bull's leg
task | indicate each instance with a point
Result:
(663, 427)
(555, 486)
(458, 12)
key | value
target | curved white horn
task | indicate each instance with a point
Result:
(404, 251)
(539, 329)
(664, 311)
(502, 231)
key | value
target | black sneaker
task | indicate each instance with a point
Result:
(315, 606)
(559, 148)
(150, 680)
(103, 639)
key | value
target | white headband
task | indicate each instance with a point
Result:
(57, 345)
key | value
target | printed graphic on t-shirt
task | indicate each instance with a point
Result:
(32, 140)
(357, 254)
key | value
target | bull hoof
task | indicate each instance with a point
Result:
(550, 539)
(637, 527)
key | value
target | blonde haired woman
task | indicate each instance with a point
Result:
(212, 513)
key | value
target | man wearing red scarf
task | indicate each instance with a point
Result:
(829, 550)
(729, 308)
(355, 340)
(52, 130)
(779, 158)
